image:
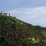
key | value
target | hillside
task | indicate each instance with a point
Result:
(14, 32)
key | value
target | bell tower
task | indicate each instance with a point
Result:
(2, 13)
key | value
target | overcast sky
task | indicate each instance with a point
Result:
(30, 11)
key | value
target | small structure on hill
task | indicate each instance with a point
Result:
(2, 13)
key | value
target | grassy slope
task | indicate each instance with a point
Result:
(12, 31)
(44, 33)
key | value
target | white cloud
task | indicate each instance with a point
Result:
(36, 16)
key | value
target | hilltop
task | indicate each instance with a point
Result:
(15, 32)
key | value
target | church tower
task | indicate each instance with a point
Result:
(2, 13)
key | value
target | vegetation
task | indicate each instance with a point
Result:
(14, 32)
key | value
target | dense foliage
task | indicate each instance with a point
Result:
(14, 32)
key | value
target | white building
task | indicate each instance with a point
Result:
(2, 13)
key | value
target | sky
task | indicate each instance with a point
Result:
(30, 11)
